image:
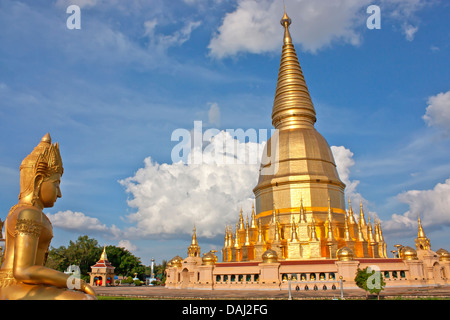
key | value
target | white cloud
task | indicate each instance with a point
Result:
(344, 162)
(254, 26)
(161, 42)
(214, 114)
(438, 111)
(432, 206)
(409, 31)
(81, 3)
(126, 244)
(171, 198)
(79, 222)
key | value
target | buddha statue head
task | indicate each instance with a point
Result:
(40, 174)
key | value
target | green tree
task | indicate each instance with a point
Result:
(370, 280)
(85, 252)
(125, 262)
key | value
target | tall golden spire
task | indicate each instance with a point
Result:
(422, 242)
(104, 257)
(194, 249)
(253, 222)
(302, 212)
(361, 216)
(292, 107)
(420, 232)
(350, 212)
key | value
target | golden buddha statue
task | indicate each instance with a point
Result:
(28, 233)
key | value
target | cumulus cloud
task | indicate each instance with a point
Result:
(344, 162)
(161, 42)
(410, 31)
(170, 198)
(79, 222)
(214, 114)
(254, 25)
(432, 205)
(126, 244)
(438, 111)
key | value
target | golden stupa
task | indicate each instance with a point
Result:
(300, 205)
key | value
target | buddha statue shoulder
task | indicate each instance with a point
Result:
(28, 233)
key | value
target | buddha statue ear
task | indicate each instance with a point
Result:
(39, 178)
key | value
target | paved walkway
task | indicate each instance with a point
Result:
(164, 293)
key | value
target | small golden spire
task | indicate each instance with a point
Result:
(313, 231)
(194, 249)
(253, 223)
(377, 231)
(380, 231)
(420, 233)
(194, 237)
(347, 230)
(350, 212)
(104, 257)
(277, 231)
(236, 238)
(360, 234)
(370, 233)
(241, 221)
(302, 212)
(247, 235)
(330, 236)
(294, 236)
(274, 214)
(230, 237)
(362, 220)
(260, 233)
(226, 237)
(330, 216)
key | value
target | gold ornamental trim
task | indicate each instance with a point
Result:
(28, 227)
(7, 278)
(297, 210)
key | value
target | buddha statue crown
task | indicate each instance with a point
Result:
(44, 161)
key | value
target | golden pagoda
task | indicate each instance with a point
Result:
(300, 206)
(299, 228)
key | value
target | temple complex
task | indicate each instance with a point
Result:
(299, 227)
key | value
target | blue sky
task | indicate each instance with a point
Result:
(113, 92)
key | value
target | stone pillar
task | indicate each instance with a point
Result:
(269, 275)
(206, 276)
(347, 270)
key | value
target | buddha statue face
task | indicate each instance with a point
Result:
(49, 191)
(40, 175)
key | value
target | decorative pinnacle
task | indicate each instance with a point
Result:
(286, 22)
(47, 138)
